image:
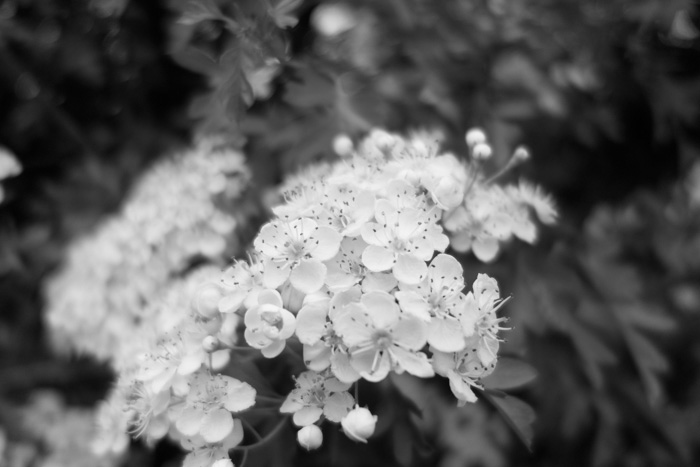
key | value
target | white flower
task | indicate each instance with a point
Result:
(268, 324)
(208, 407)
(439, 301)
(310, 437)
(463, 369)
(296, 250)
(241, 284)
(359, 424)
(206, 454)
(380, 338)
(401, 240)
(317, 394)
(346, 269)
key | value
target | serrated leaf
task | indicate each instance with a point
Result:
(518, 414)
(510, 373)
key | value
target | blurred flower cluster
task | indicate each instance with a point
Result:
(175, 217)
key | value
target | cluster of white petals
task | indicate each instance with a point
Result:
(175, 216)
(353, 267)
(354, 273)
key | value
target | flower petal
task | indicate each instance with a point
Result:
(337, 406)
(270, 297)
(413, 304)
(307, 415)
(410, 332)
(239, 395)
(409, 269)
(382, 309)
(416, 363)
(275, 273)
(308, 276)
(485, 248)
(445, 334)
(216, 426)
(341, 368)
(354, 326)
(377, 258)
(311, 322)
(317, 357)
(190, 421)
(271, 239)
(274, 349)
(460, 388)
(325, 243)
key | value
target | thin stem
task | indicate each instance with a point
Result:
(267, 438)
(250, 428)
(357, 392)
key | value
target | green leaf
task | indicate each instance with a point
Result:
(510, 373)
(518, 414)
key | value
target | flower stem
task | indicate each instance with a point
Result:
(266, 439)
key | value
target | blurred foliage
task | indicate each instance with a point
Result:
(605, 94)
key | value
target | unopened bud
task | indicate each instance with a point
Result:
(342, 145)
(310, 437)
(475, 136)
(521, 154)
(359, 424)
(211, 344)
(481, 151)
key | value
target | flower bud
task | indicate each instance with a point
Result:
(310, 437)
(475, 136)
(359, 424)
(342, 145)
(521, 154)
(211, 344)
(481, 151)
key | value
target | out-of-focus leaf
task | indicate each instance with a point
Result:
(517, 413)
(197, 11)
(309, 89)
(510, 373)
(593, 352)
(282, 12)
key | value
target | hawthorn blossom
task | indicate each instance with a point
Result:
(212, 454)
(401, 240)
(208, 406)
(317, 394)
(381, 339)
(269, 324)
(439, 301)
(346, 269)
(310, 437)
(296, 250)
(346, 209)
(463, 369)
(241, 284)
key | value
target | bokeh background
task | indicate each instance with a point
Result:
(605, 94)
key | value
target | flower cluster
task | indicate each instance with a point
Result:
(174, 217)
(353, 267)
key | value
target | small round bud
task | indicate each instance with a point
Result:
(342, 145)
(211, 344)
(331, 20)
(207, 300)
(475, 136)
(310, 437)
(481, 152)
(359, 424)
(383, 140)
(521, 154)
